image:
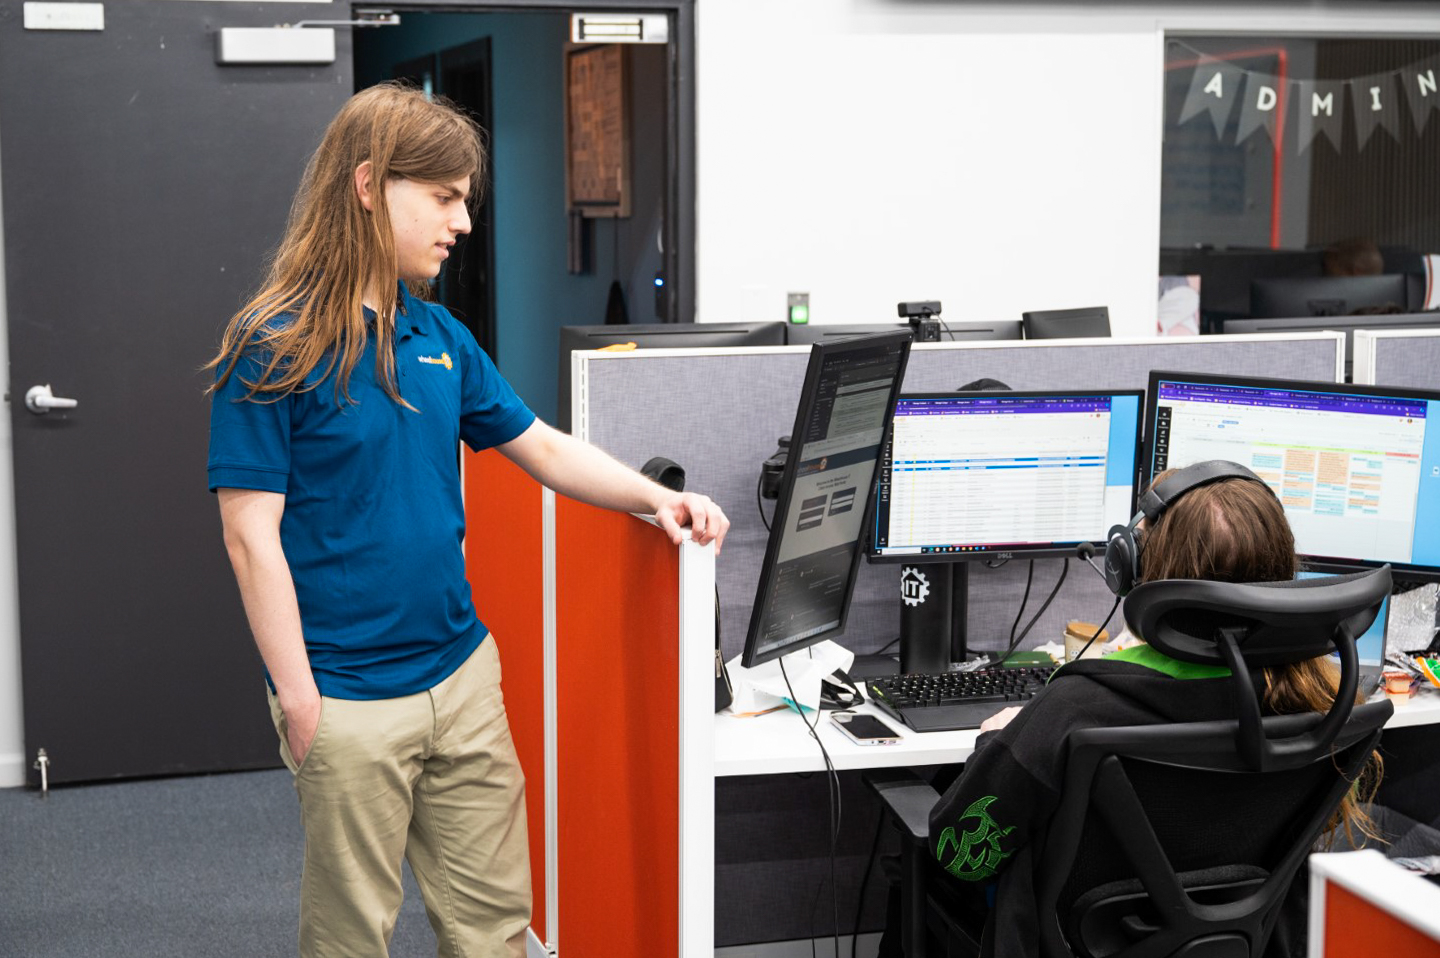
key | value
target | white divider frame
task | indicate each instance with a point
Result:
(1367, 367)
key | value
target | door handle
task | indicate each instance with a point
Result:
(40, 400)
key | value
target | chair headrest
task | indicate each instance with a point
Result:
(1281, 622)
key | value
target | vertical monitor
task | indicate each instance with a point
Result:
(1356, 467)
(983, 475)
(813, 554)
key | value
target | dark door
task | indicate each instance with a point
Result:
(465, 285)
(143, 185)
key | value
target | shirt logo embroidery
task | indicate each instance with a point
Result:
(442, 360)
(976, 852)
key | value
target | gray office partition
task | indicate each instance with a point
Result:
(719, 413)
(1398, 357)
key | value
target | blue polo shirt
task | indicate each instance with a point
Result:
(374, 516)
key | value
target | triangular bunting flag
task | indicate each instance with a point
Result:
(1213, 89)
(1422, 91)
(1375, 104)
(1319, 107)
(1263, 103)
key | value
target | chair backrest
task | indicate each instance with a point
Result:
(1087, 322)
(1169, 842)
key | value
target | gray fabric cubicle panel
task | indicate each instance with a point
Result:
(1407, 361)
(719, 416)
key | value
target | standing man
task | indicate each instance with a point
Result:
(339, 404)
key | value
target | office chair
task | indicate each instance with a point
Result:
(1180, 839)
(1091, 321)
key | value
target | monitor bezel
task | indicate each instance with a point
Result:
(765, 588)
(1308, 562)
(1020, 551)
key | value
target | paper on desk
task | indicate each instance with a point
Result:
(763, 687)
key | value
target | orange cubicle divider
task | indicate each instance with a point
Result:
(504, 560)
(1356, 928)
(618, 622)
(616, 708)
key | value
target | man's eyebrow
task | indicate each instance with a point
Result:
(458, 194)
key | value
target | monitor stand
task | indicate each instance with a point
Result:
(933, 615)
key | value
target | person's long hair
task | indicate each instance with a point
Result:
(1235, 530)
(308, 314)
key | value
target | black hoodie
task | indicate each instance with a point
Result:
(986, 825)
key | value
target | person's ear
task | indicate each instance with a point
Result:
(362, 186)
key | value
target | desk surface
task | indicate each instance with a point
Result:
(777, 742)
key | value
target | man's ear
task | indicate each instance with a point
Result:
(362, 186)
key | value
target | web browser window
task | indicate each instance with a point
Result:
(996, 472)
(1358, 474)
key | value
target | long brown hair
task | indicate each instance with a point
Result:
(1235, 530)
(334, 251)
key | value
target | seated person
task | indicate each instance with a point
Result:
(982, 830)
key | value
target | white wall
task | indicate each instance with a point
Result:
(998, 157)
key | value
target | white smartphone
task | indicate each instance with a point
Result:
(864, 729)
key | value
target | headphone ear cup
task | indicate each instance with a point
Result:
(1122, 560)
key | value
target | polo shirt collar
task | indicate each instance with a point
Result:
(407, 314)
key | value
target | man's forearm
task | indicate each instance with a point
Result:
(581, 471)
(268, 593)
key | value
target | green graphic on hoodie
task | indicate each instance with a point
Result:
(976, 852)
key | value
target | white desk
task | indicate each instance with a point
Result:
(777, 742)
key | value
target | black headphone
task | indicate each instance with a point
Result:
(1122, 551)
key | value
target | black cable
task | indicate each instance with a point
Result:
(865, 878)
(836, 809)
(1029, 578)
(760, 503)
(1087, 645)
(1064, 571)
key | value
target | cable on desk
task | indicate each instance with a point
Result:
(836, 809)
(760, 503)
(1086, 647)
(1015, 642)
(1020, 613)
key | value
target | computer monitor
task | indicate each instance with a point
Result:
(1089, 322)
(1345, 324)
(994, 475)
(962, 331)
(1357, 467)
(1325, 295)
(655, 336)
(991, 475)
(811, 559)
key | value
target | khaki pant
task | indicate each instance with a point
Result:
(432, 778)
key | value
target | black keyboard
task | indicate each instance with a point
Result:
(946, 701)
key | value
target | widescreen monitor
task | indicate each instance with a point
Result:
(1325, 295)
(965, 330)
(814, 550)
(1356, 467)
(655, 336)
(985, 475)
